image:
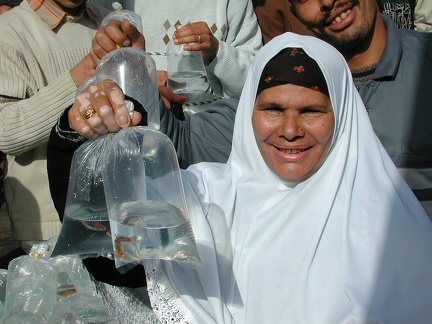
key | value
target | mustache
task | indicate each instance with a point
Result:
(336, 5)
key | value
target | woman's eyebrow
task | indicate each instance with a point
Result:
(270, 104)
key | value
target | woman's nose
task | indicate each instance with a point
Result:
(292, 127)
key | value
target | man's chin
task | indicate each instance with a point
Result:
(345, 44)
(344, 47)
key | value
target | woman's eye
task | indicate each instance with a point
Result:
(274, 109)
(312, 114)
(311, 111)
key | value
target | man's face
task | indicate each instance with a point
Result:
(343, 23)
(69, 6)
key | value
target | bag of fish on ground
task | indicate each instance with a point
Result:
(86, 229)
(145, 199)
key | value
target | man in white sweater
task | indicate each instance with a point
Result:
(43, 59)
(226, 32)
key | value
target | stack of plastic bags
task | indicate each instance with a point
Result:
(37, 288)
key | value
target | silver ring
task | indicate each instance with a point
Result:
(199, 39)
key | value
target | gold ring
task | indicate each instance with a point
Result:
(89, 112)
(199, 39)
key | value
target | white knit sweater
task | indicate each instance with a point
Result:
(35, 87)
(233, 22)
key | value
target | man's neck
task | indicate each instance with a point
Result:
(72, 11)
(370, 51)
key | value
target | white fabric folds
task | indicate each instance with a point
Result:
(351, 244)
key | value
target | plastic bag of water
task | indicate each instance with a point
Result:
(145, 199)
(187, 76)
(85, 228)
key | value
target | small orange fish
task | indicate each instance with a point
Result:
(94, 226)
(119, 251)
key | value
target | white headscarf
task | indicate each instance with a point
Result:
(349, 244)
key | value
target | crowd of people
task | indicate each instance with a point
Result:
(307, 184)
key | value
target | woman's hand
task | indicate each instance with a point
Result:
(101, 109)
(201, 37)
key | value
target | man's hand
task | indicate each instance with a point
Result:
(201, 37)
(113, 35)
(82, 71)
(166, 94)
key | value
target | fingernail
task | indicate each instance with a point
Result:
(126, 43)
(123, 121)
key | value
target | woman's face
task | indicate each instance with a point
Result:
(293, 127)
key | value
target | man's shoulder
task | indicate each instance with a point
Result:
(414, 41)
(17, 20)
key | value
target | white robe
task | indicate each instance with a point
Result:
(350, 244)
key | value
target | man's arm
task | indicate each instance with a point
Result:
(204, 137)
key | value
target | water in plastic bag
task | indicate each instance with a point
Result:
(135, 72)
(186, 73)
(30, 290)
(145, 199)
(85, 228)
(81, 308)
(187, 76)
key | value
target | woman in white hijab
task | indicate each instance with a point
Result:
(309, 221)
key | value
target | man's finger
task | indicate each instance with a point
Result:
(136, 39)
(171, 96)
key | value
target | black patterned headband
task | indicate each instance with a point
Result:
(292, 65)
